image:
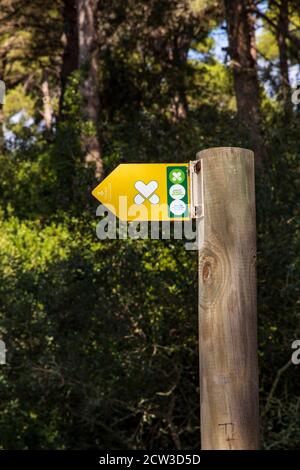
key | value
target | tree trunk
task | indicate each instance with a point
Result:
(47, 108)
(87, 33)
(282, 33)
(251, 22)
(177, 54)
(70, 40)
(2, 140)
(180, 106)
(2, 100)
(241, 40)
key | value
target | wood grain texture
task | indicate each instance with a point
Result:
(227, 302)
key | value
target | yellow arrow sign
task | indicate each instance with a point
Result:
(150, 191)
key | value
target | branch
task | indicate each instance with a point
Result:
(274, 386)
(294, 39)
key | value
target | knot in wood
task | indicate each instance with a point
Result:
(206, 271)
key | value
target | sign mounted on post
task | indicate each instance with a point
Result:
(147, 192)
(219, 188)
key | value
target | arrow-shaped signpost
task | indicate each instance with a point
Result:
(219, 188)
(146, 191)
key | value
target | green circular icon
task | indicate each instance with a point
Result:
(176, 176)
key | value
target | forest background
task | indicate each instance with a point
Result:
(101, 336)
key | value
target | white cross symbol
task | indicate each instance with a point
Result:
(176, 176)
(146, 191)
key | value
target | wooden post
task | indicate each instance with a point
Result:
(227, 301)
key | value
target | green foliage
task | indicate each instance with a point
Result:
(28, 181)
(278, 275)
(16, 100)
(111, 327)
(90, 331)
(102, 336)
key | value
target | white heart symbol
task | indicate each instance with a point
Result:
(146, 189)
(146, 192)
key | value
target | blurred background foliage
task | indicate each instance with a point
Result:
(102, 335)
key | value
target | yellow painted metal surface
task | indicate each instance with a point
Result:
(145, 192)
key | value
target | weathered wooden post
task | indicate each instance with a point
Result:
(227, 300)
